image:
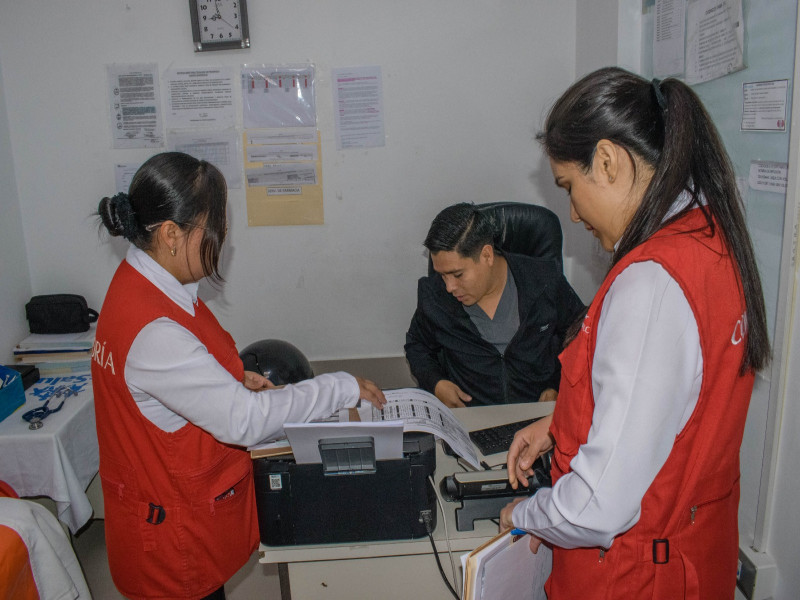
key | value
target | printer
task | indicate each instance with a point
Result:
(348, 496)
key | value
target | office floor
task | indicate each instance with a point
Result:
(254, 580)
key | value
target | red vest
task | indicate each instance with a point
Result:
(685, 543)
(180, 515)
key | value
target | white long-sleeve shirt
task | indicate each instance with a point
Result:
(174, 379)
(646, 380)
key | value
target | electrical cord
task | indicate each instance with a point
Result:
(446, 537)
(439, 564)
(446, 533)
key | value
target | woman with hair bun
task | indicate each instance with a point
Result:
(657, 380)
(174, 406)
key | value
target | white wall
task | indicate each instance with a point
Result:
(15, 283)
(597, 26)
(466, 84)
(596, 35)
(606, 33)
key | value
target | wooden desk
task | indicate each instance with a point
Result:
(399, 569)
(60, 459)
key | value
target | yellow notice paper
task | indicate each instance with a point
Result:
(283, 176)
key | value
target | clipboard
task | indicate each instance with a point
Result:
(504, 568)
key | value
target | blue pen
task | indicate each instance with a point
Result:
(516, 531)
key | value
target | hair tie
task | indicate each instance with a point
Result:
(660, 98)
(121, 203)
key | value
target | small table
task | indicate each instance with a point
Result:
(398, 569)
(61, 458)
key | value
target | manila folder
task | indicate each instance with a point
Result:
(504, 568)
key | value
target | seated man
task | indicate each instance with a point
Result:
(488, 327)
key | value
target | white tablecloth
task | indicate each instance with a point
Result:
(59, 459)
(55, 568)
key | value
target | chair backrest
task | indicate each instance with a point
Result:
(526, 229)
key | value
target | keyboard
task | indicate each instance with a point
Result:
(498, 438)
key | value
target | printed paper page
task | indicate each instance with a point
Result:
(135, 106)
(421, 411)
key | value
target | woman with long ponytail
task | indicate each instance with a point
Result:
(657, 381)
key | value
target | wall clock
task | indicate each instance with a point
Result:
(219, 24)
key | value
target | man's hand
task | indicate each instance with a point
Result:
(367, 390)
(548, 395)
(529, 443)
(256, 381)
(450, 394)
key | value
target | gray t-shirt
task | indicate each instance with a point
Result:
(501, 329)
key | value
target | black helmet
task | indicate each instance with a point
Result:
(277, 360)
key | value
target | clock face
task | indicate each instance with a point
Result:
(219, 21)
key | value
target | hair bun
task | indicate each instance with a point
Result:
(118, 216)
(121, 205)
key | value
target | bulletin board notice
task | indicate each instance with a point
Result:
(283, 176)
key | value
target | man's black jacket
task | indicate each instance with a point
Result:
(443, 343)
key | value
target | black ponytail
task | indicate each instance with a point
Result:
(664, 124)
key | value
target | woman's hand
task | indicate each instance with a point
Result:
(529, 443)
(256, 381)
(508, 510)
(367, 390)
(506, 523)
(450, 394)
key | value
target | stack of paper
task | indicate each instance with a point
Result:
(504, 568)
(278, 448)
(56, 354)
(421, 411)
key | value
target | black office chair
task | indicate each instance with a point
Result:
(526, 229)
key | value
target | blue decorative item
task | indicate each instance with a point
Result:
(12, 396)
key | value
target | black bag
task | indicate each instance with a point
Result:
(59, 313)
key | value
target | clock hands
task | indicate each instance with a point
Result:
(218, 15)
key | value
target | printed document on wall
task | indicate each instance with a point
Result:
(123, 175)
(283, 176)
(669, 37)
(220, 148)
(135, 106)
(715, 39)
(358, 107)
(769, 176)
(200, 97)
(764, 105)
(278, 96)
